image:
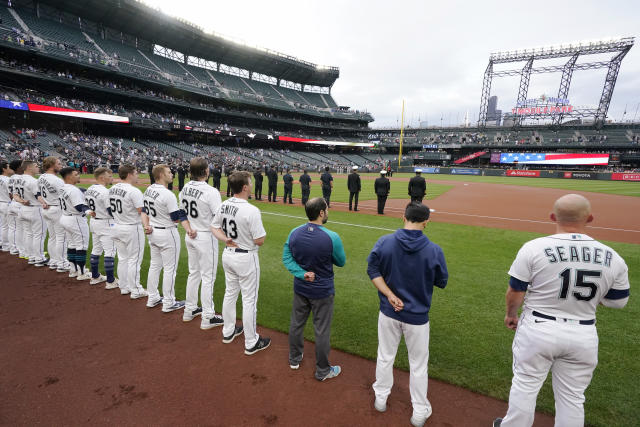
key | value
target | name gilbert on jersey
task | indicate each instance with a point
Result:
(192, 192)
(584, 254)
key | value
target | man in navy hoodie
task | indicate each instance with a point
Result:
(404, 267)
(309, 254)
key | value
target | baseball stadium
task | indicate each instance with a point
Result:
(91, 90)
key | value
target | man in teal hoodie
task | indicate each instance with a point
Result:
(309, 254)
(404, 267)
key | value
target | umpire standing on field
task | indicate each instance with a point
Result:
(354, 186)
(417, 187)
(382, 186)
(305, 186)
(272, 179)
(309, 254)
(327, 185)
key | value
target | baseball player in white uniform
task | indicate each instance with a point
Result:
(74, 221)
(27, 193)
(13, 211)
(101, 225)
(126, 203)
(201, 201)
(16, 183)
(159, 217)
(561, 279)
(50, 189)
(5, 199)
(239, 225)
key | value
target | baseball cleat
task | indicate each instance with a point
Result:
(237, 331)
(334, 371)
(84, 276)
(189, 315)
(139, 294)
(419, 421)
(497, 422)
(125, 291)
(13, 253)
(53, 266)
(262, 344)
(112, 285)
(295, 366)
(42, 263)
(73, 273)
(62, 270)
(151, 304)
(31, 261)
(380, 405)
(216, 320)
(176, 306)
(96, 280)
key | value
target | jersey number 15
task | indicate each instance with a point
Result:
(587, 289)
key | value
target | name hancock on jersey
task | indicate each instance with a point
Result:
(584, 254)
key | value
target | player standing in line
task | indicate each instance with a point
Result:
(13, 212)
(75, 223)
(126, 203)
(101, 227)
(201, 202)
(5, 199)
(159, 217)
(305, 186)
(50, 188)
(17, 181)
(561, 279)
(31, 213)
(327, 186)
(239, 225)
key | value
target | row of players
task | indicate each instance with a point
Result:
(121, 216)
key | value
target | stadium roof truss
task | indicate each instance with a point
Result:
(136, 18)
(619, 47)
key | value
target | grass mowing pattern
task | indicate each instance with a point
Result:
(469, 345)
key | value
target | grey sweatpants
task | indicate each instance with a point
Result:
(322, 314)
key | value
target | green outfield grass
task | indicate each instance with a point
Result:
(469, 345)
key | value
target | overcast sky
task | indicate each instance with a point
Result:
(431, 54)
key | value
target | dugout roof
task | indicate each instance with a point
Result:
(137, 19)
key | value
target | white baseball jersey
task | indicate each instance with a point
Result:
(568, 274)
(160, 202)
(241, 221)
(97, 198)
(4, 189)
(71, 197)
(50, 188)
(124, 201)
(30, 190)
(17, 183)
(200, 201)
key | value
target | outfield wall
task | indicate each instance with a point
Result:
(605, 176)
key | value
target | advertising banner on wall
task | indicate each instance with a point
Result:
(460, 171)
(625, 176)
(427, 170)
(516, 172)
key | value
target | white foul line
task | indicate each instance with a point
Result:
(332, 222)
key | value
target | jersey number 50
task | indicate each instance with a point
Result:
(116, 205)
(580, 282)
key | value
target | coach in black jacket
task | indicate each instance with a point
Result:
(258, 178)
(353, 184)
(382, 187)
(272, 179)
(417, 187)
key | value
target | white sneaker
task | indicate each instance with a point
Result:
(125, 291)
(380, 405)
(419, 421)
(73, 273)
(98, 279)
(85, 276)
(139, 294)
(112, 285)
(53, 266)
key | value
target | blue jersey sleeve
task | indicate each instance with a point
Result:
(441, 272)
(373, 262)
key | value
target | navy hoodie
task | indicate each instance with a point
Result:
(411, 265)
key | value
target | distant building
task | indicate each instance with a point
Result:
(493, 114)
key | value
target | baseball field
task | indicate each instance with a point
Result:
(480, 223)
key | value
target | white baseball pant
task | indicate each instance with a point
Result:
(416, 337)
(77, 231)
(4, 226)
(57, 243)
(203, 266)
(241, 274)
(15, 228)
(569, 350)
(129, 240)
(164, 245)
(101, 232)
(34, 232)
(22, 224)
